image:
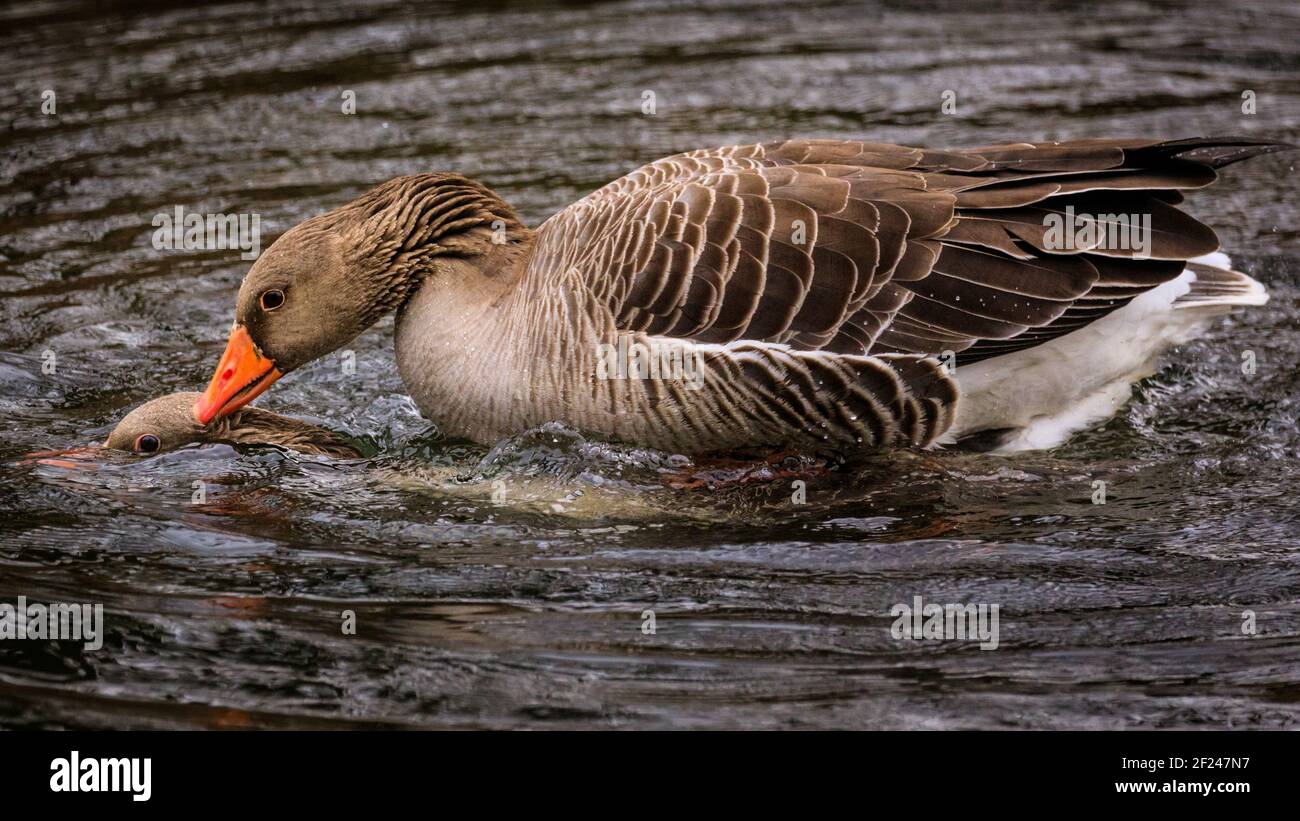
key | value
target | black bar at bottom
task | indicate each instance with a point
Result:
(196, 770)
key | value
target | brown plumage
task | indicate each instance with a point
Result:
(167, 423)
(814, 280)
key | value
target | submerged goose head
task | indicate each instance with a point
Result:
(167, 423)
(330, 278)
(159, 425)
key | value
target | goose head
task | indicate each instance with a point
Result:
(167, 423)
(159, 425)
(327, 280)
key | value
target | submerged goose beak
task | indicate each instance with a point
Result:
(78, 458)
(241, 376)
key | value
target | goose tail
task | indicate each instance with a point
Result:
(1217, 288)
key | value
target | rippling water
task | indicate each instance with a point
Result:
(505, 586)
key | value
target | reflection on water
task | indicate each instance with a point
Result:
(506, 586)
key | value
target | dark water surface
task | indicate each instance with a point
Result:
(527, 611)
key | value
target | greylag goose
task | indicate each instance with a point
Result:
(806, 294)
(168, 422)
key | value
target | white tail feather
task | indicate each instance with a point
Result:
(1042, 395)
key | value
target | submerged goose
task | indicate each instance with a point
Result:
(812, 284)
(167, 423)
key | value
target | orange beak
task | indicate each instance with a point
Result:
(242, 375)
(81, 458)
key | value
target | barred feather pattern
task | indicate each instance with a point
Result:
(819, 279)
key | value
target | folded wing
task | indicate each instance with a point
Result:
(864, 249)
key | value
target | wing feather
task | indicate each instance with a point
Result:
(870, 249)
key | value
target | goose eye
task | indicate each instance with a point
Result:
(272, 299)
(147, 443)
